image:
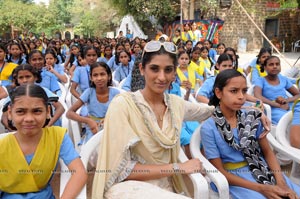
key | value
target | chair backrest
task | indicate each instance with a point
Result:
(63, 91)
(75, 133)
(282, 130)
(85, 154)
(212, 173)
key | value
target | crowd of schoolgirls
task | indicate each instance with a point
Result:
(97, 70)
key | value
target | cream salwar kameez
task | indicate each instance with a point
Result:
(132, 134)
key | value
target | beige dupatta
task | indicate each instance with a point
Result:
(130, 131)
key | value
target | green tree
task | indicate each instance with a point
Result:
(162, 10)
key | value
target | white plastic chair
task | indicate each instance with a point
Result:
(296, 45)
(86, 151)
(212, 174)
(282, 135)
(63, 91)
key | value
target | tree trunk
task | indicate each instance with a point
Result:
(192, 9)
(185, 9)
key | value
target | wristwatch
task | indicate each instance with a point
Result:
(176, 168)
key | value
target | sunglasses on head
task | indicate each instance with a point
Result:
(154, 46)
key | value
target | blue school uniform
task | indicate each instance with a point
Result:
(188, 127)
(49, 81)
(273, 91)
(102, 59)
(96, 109)
(206, 89)
(112, 63)
(67, 154)
(127, 84)
(123, 71)
(216, 147)
(81, 76)
(60, 69)
(296, 114)
(212, 53)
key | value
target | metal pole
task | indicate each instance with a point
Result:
(181, 20)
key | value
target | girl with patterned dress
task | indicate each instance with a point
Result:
(235, 142)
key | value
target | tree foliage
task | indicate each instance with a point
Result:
(161, 10)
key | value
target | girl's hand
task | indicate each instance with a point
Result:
(186, 84)
(280, 100)
(285, 106)
(291, 193)
(49, 68)
(93, 126)
(276, 192)
(192, 166)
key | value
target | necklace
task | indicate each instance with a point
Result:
(158, 116)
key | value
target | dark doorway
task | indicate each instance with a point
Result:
(67, 35)
(271, 30)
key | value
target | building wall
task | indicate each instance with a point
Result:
(237, 25)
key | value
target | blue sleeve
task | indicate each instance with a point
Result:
(296, 114)
(60, 69)
(199, 76)
(289, 84)
(259, 82)
(127, 84)
(54, 87)
(254, 75)
(253, 62)
(208, 141)
(206, 89)
(67, 151)
(76, 75)
(111, 61)
(49, 93)
(117, 76)
(85, 96)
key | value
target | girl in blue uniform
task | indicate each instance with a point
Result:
(235, 142)
(97, 99)
(30, 155)
(125, 66)
(49, 81)
(53, 66)
(272, 89)
(295, 127)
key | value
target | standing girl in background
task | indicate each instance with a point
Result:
(25, 150)
(97, 99)
(6, 68)
(236, 143)
(16, 55)
(49, 80)
(106, 55)
(53, 66)
(125, 66)
(196, 34)
(186, 75)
